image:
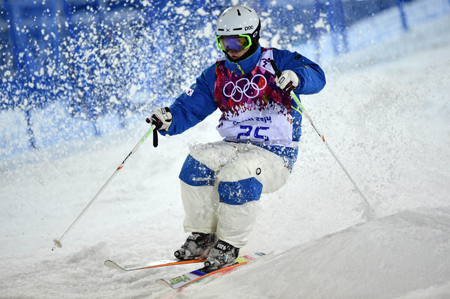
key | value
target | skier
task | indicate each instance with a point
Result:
(221, 182)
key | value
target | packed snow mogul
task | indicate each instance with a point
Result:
(222, 182)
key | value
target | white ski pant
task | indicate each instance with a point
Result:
(221, 184)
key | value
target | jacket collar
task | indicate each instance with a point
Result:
(244, 66)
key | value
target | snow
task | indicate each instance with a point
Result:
(385, 112)
(386, 258)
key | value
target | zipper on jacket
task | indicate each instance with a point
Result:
(239, 67)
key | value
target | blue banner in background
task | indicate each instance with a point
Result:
(76, 68)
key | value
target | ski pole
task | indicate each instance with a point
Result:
(369, 212)
(58, 242)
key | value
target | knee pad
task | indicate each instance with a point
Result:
(196, 174)
(240, 192)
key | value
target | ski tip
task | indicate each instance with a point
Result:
(112, 265)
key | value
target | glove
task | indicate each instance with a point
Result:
(288, 81)
(161, 119)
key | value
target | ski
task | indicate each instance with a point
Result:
(196, 275)
(163, 263)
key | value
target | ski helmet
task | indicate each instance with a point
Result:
(238, 19)
(238, 28)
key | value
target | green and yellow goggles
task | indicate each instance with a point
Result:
(233, 42)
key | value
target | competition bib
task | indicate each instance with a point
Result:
(253, 108)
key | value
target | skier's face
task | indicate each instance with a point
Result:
(235, 54)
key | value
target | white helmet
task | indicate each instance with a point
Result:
(238, 19)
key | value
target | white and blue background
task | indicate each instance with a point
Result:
(78, 78)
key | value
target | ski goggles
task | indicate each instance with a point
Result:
(233, 42)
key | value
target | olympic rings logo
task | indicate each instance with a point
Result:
(241, 91)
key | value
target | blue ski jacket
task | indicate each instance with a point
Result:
(198, 102)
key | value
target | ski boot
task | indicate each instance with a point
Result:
(220, 255)
(197, 245)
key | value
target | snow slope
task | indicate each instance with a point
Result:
(401, 255)
(387, 117)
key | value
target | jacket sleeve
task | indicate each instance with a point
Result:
(311, 76)
(195, 105)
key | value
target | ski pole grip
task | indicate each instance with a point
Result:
(274, 66)
(155, 138)
(155, 133)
